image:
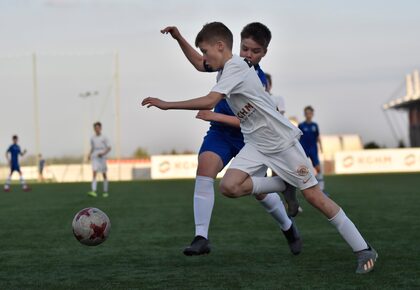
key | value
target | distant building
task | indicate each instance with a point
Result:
(410, 103)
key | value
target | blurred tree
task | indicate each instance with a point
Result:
(372, 145)
(401, 144)
(141, 153)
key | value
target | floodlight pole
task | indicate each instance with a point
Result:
(117, 113)
(36, 107)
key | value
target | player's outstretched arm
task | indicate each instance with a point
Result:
(207, 115)
(203, 103)
(195, 58)
(23, 152)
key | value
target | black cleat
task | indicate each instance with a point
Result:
(199, 246)
(293, 239)
(291, 200)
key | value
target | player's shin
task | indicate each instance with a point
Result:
(267, 184)
(94, 184)
(203, 204)
(274, 206)
(348, 231)
(105, 185)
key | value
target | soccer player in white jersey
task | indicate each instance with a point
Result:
(99, 148)
(271, 141)
(224, 140)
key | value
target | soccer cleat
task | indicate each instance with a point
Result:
(291, 200)
(366, 260)
(92, 194)
(199, 246)
(6, 188)
(293, 239)
(105, 194)
(26, 188)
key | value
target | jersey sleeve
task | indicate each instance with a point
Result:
(231, 77)
(9, 150)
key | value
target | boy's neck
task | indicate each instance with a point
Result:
(227, 55)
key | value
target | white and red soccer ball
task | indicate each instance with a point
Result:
(91, 226)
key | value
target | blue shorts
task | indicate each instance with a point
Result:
(223, 144)
(313, 155)
(14, 167)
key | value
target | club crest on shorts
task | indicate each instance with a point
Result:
(302, 171)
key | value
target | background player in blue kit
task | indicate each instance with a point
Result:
(14, 152)
(224, 140)
(310, 140)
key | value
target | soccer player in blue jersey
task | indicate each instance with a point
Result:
(224, 140)
(12, 156)
(310, 140)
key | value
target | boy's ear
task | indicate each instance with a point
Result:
(220, 45)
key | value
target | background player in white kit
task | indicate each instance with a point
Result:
(99, 148)
(271, 141)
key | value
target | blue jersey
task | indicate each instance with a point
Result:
(309, 139)
(14, 151)
(222, 107)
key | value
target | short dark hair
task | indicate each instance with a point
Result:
(268, 77)
(215, 31)
(308, 108)
(258, 32)
(97, 124)
(14, 137)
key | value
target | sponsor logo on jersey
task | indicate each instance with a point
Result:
(245, 112)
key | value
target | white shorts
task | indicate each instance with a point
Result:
(99, 164)
(291, 164)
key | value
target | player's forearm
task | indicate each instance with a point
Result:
(202, 103)
(191, 54)
(226, 119)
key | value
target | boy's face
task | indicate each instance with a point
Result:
(15, 140)
(97, 129)
(212, 54)
(252, 51)
(309, 114)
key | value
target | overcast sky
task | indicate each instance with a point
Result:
(346, 58)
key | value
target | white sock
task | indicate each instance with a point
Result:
(22, 181)
(203, 204)
(8, 180)
(348, 231)
(274, 206)
(94, 185)
(267, 184)
(105, 185)
(320, 179)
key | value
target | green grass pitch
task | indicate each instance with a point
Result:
(152, 222)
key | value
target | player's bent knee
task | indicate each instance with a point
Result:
(229, 189)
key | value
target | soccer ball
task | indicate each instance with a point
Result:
(91, 226)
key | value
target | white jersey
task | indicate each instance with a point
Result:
(280, 103)
(261, 124)
(99, 144)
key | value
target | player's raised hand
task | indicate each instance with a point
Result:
(155, 102)
(206, 115)
(173, 30)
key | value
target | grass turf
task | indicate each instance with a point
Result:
(152, 222)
